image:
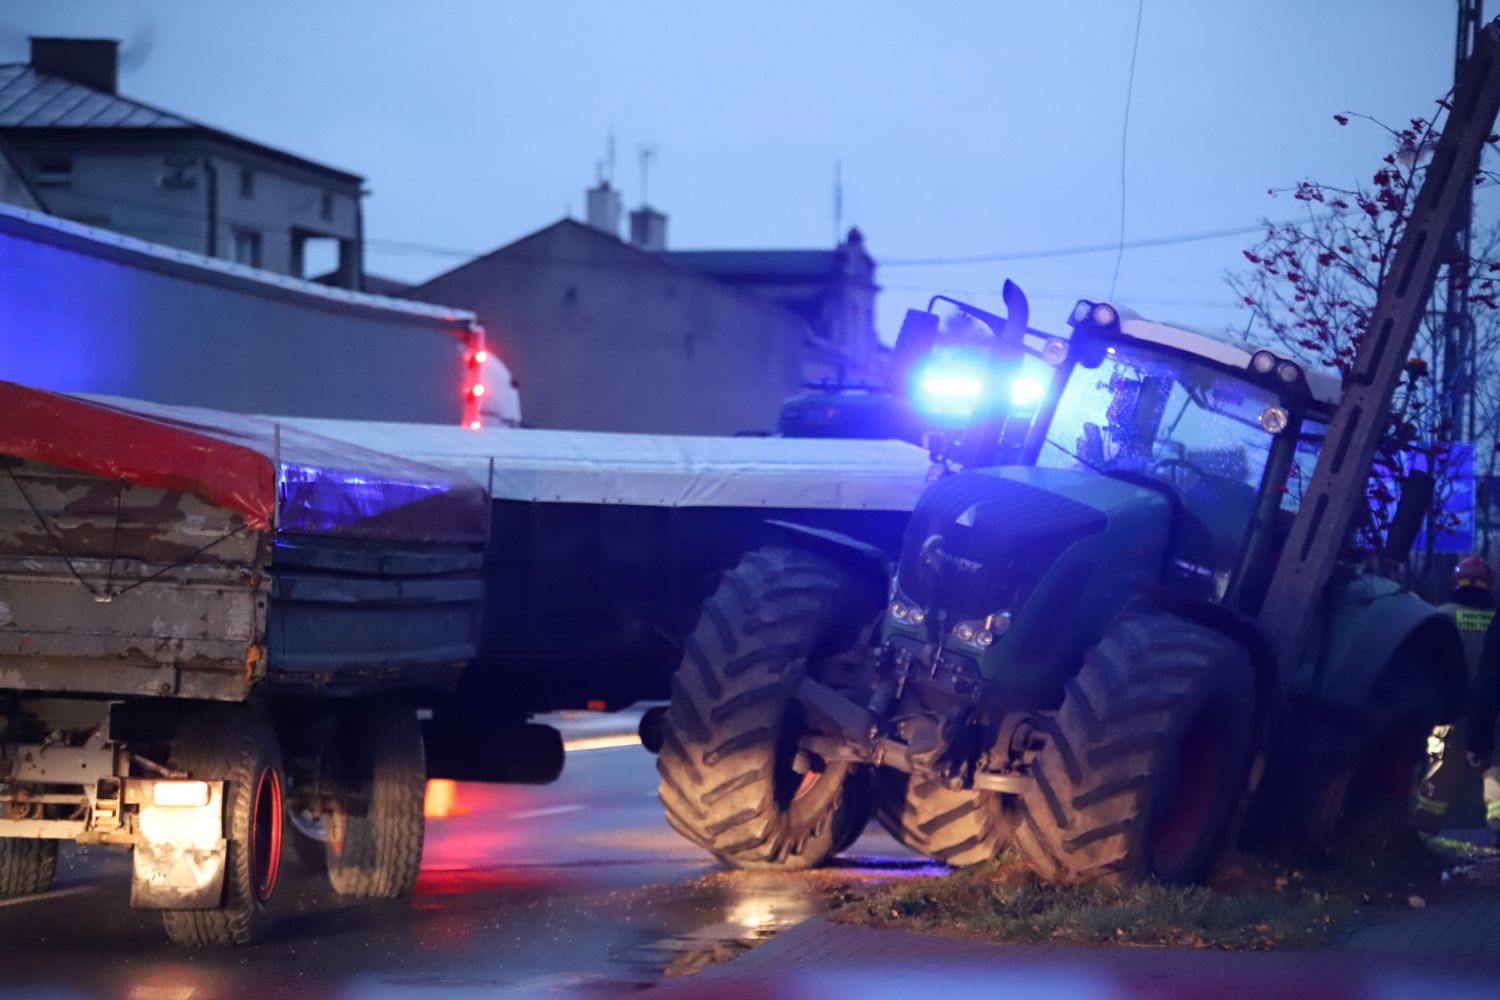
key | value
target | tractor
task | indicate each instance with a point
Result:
(1149, 618)
(1066, 657)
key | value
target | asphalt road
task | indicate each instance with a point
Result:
(575, 886)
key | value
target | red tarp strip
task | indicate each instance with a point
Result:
(45, 427)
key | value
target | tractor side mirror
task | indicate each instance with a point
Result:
(918, 334)
(1411, 512)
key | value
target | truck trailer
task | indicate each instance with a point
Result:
(221, 634)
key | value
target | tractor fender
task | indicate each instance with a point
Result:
(1372, 621)
(861, 557)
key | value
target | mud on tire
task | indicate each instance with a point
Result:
(730, 737)
(1146, 759)
(26, 866)
(957, 827)
(235, 744)
(376, 826)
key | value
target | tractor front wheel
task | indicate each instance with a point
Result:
(955, 826)
(732, 779)
(1146, 759)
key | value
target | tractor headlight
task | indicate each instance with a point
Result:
(1289, 373)
(1105, 315)
(1055, 351)
(1262, 362)
(907, 614)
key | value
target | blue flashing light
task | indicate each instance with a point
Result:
(950, 389)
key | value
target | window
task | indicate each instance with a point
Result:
(247, 183)
(326, 208)
(53, 171)
(247, 247)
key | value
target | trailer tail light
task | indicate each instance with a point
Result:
(481, 356)
(474, 425)
(478, 389)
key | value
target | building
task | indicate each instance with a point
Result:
(95, 156)
(832, 290)
(14, 187)
(603, 335)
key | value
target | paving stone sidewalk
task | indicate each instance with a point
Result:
(1449, 951)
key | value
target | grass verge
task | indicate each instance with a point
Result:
(1250, 902)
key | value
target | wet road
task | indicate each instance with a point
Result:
(579, 885)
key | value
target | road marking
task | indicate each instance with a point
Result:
(53, 894)
(549, 811)
(602, 742)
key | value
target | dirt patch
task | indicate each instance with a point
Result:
(1251, 902)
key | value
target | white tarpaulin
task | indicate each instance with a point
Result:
(655, 470)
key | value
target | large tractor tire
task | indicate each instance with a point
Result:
(954, 826)
(26, 866)
(1147, 758)
(730, 741)
(1359, 772)
(376, 824)
(235, 744)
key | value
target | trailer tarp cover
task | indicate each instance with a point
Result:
(657, 470)
(329, 487)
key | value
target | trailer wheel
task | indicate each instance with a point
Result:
(26, 866)
(376, 824)
(729, 766)
(1146, 759)
(955, 826)
(235, 744)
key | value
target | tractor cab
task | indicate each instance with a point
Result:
(1151, 456)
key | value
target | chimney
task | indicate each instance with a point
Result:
(604, 208)
(93, 62)
(648, 229)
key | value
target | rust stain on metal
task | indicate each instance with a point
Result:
(253, 656)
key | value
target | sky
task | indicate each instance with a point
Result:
(984, 128)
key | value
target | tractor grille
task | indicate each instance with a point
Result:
(978, 543)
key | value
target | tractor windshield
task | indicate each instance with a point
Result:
(1196, 429)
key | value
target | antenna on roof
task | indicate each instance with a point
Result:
(609, 155)
(838, 202)
(647, 154)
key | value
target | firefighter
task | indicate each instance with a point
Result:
(1484, 716)
(1472, 606)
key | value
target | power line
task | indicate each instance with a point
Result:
(400, 247)
(1140, 10)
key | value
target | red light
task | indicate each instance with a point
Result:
(473, 425)
(481, 356)
(478, 390)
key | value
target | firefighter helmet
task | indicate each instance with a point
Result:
(1472, 572)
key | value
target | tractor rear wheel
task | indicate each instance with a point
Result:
(955, 826)
(1146, 759)
(1362, 773)
(732, 779)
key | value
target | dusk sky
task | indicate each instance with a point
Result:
(980, 128)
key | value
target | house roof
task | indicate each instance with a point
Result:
(629, 256)
(33, 100)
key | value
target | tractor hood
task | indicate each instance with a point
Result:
(981, 542)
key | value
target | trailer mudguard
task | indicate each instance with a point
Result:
(1369, 621)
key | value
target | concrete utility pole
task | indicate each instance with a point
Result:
(1337, 490)
(1460, 345)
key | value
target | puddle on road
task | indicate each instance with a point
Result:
(753, 907)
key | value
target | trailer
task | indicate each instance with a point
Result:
(207, 621)
(199, 609)
(88, 310)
